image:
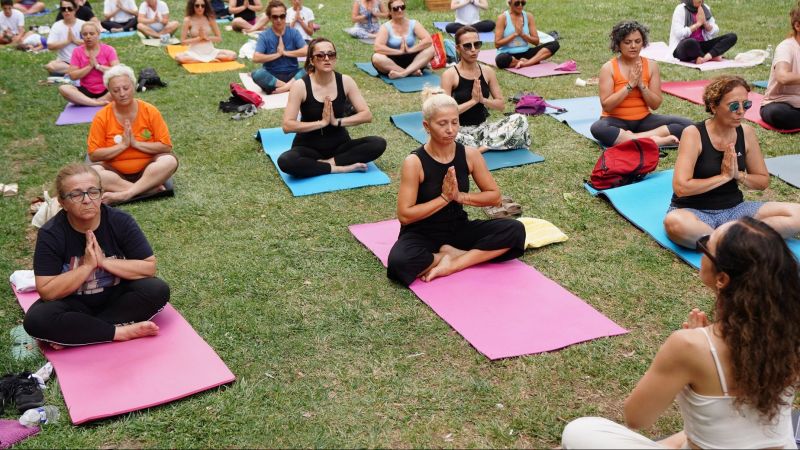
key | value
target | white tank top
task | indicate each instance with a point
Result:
(713, 421)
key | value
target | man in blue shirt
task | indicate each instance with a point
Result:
(277, 49)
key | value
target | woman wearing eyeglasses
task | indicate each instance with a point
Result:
(366, 15)
(403, 47)
(129, 142)
(715, 157)
(89, 62)
(278, 48)
(322, 144)
(781, 105)
(200, 32)
(513, 35)
(733, 379)
(64, 37)
(94, 270)
(475, 88)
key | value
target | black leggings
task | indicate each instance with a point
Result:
(414, 249)
(780, 115)
(303, 162)
(484, 26)
(607, 129)
(503, 60)
(126, 26)
(76, 320)
(689, 50)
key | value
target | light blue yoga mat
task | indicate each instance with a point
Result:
(787, 168)
(484, 37)
(275, 142)
(407, 84)
(120, 34)
(761, 84)
(645, 204)
(411, 124)
(581, 113)
(43, 12)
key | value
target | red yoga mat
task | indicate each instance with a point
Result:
(503, 309)
(693, 92)
(104, 380)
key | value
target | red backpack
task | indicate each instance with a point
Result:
(246, 95)
(625, 163)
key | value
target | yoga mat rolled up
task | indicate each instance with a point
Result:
(502, 309)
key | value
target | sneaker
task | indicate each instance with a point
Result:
(249, 111)
(7, 384)
(27, 394)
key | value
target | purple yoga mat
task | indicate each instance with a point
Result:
(12, 432)
(503, 309)
(77, 114)
(543, 69)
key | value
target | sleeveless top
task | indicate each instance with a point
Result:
(634, 106)
(463, 93)
(393, 41)
(708, 165)
(311, 111)
(431, 187)
(248, 14)
(517, 45)
(372, 23)
(713, 421)
(468, 14)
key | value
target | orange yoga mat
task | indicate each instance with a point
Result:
(173, 50)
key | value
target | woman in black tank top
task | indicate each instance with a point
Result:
(715, 157)
(322, 144)
(436, 238)
(474, 88)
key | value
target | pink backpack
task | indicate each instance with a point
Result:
(533, 105)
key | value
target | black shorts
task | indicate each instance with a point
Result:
(86, 92)
(403, 60)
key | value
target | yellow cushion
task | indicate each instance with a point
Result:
(539, 232)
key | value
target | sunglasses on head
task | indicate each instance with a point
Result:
(67, 9)
(520, 3)
(702, 245)
(325, 55)
(470, 45)
(734, 106)
(278, 16)
(398, 8)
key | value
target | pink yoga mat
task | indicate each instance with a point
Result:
(11, 432)
(659, 51)
(503, 309)
(105, 380)
(693, 92)
(77, 114)
(543, 69)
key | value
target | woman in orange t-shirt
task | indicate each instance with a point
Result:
(630, 87)
(129, 142)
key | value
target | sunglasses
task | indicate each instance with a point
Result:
(470, 45)
(77, 196)
(734, 106)
(702, 245)
(399, 8)
(67, 9)
(276, 17)
(519, 3)
(327, 55)
(199, 5)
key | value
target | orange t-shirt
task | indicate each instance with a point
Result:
(106, 131)
(634, 106)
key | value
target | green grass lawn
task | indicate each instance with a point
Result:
(327, 352)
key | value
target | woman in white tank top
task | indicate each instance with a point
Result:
(733, 379)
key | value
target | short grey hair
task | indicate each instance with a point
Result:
(120, 70)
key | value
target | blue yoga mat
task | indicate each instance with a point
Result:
(761, 84)
(411, 124)
(275, 142)
(581, 113)
(787, 168)
(120, 34)
(484, 37)
(645, 204)
(407, 84)
(43, 12)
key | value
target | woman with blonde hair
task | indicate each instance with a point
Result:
(403, 47)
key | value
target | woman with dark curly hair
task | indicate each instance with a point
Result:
(733, 379)
(630, 87)
(200, 32)
(714, 158)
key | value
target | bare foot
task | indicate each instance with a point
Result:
(483, 148)
(665, 141)
(357, 167)
(393, 74)
(444, 268)
(452, 251)
(417, 73)
(100, 102)
(717, 58)
(135, 330)
(112, 198)
(116, 30)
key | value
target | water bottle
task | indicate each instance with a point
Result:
(39, 416)
(768, 58)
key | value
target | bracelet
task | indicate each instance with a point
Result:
(444, 198)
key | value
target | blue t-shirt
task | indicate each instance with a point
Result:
(268, 43)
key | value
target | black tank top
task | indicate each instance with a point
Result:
(311, 111)
(431, 187)
(708, 165)
(463, 93)
(248, 14)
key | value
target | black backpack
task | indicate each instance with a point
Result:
(148, 78)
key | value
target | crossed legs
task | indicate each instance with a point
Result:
(386, 65)
(76, 97)
(118, 189)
